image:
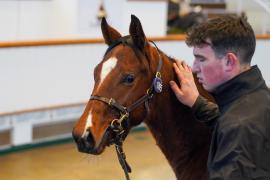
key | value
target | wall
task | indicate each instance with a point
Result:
(37, 19)
(257, 16)
(32, 77)
(47, 19)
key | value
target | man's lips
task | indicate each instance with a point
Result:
(200, 80)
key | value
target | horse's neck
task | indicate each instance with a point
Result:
(173, 128)
(170, 132)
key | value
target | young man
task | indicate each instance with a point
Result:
(223, 48)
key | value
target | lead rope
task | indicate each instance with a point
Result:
(122, 159)
(116, 126)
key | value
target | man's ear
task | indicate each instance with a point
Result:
(232, 62)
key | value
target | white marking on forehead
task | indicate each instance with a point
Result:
(88, 123)
(107, 67)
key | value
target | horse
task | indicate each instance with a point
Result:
(131, 87)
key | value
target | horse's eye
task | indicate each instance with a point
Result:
(129, 78)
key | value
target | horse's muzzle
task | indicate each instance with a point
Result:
(87, 144)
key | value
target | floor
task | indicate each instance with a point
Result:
(64, 162)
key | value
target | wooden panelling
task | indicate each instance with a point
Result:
(5, 137)
(49, 42)
(43, 109)
(54, 129)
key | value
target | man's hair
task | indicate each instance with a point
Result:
(227, 33)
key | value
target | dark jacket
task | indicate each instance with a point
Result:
(240, 146)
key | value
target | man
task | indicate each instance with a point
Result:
(223, 48)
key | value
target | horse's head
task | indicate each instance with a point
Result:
(119, 97)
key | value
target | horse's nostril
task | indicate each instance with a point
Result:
(90, 138)
(88, 141)
(85, 143)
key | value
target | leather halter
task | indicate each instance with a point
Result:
(117, 124)
(124, 111)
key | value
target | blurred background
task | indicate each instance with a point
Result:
(49, 48)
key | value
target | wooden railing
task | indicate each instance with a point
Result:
(55, 42)
(38, 109)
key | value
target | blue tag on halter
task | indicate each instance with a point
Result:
(157, 85)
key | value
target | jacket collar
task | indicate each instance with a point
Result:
(242, 84)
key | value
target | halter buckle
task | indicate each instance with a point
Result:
(158, 74)
(116, 124)
(111, 101)
(149, 93)
(123, 117)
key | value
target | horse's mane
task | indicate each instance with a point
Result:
(191, 138)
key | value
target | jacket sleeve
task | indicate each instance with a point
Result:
(205, 111)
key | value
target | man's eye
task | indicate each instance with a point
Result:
(201, 59)
(129, 78)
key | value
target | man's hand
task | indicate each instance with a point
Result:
(187, 93)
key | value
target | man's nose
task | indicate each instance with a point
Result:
(195, 67)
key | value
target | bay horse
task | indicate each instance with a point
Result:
(131, 87)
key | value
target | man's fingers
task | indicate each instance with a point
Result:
(185, 66)
(182, 65)
(190, 69)
(178, 72)
(176, 89)
(179, 65)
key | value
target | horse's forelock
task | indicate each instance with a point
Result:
(126, 40)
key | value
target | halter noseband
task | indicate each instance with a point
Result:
(116, 124)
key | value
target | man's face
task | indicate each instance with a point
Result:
(208, 67)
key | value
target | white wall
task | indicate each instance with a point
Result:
(153, 16)
(8, 20)
(42, 76)
(257, 16)
(32, 77)
(46, 19)
(34, 20)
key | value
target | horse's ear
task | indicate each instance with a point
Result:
(109, 33)
(136, 33)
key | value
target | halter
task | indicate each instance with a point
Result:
(117, 124)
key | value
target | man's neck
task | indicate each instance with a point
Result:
(244, 67)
